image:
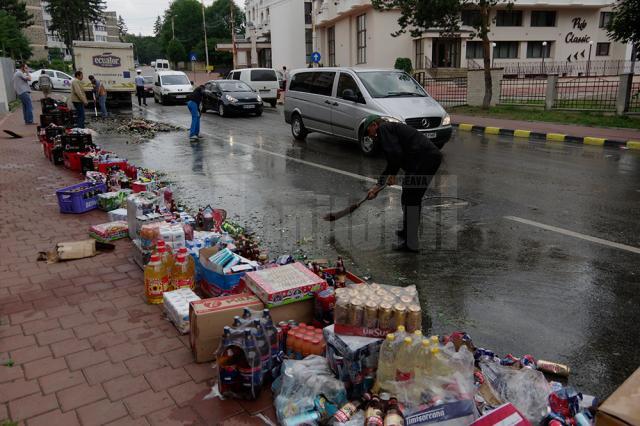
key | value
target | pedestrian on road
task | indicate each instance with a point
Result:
(140, 88)
(285, 76)
(405, 148)
(195, 99)
(78, 98)
(100, 93)
(20, 82)
(45, 84)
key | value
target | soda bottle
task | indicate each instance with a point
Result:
(417, 338)
(404, 361)
(190, 260)
(344, 414)
(423, 360)
(373, 414)
(271, 333)
(163, 243)
(237, 322)
(341, 273)
(263, 347)
(394, 415)
(156, 280)
(292, 337)
(400, 333)
(386, 361)
(181, 276)
(249, 368)
(439, 365)
(227, 360)
(246, 314)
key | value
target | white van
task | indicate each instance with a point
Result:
(263, 80)
(171, 86)
(161, 65)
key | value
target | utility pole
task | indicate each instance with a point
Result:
(206, 48)
(173, 29)
(233, 35)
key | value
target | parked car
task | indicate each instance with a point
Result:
(161, 65)
(231, 97)
(148, 86)
(336, 101)
(171, 86)
(263, 80)
(59, 80)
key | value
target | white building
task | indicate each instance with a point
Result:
(352, 33)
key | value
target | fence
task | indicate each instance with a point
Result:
(587, 94)
(634, 100)
(523, 91)
(564, 68)
(448, 92)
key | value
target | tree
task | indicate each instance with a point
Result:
(17, 9)
(122, 28)
(12, 41)
(146, 48)
(157, 26)
(72, 19)
(176, 52)
(404, 64)
(420, 15)
(624, 25)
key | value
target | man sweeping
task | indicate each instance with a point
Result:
(405, 148)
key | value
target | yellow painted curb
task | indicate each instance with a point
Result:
(633, 144)
(492, 130)
(588, 140)
(556, 137)
(465, 126)
(522, 133)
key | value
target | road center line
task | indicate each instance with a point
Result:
(575, 234)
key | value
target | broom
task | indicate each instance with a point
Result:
(331, 217)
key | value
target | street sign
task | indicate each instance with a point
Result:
(315, 57)
(193, 57)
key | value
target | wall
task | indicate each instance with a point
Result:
(287, 34)
(36, 33)
(7, 69)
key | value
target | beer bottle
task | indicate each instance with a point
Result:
(393, 416)
(344, 414)
(373, 414)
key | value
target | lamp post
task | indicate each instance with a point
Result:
(544, 53)
(589, 61)
(493, 54)
(206, 48)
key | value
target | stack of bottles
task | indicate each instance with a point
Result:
(249, 355)
(303, 340)
(382, 409)
(166, 272)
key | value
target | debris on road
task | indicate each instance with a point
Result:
(140, 129)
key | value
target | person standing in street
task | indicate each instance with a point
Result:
(100, 94)
(140, 88)
(78, 98)
(405, 148)
(195, 99)
(45, 83)
(285, 76)
(20, 82)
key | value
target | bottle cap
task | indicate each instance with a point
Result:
(434, 339)
(417, 333)
(407, 340)
(161, 243)
(435, 350)
(155, 258)
(162, 249)
(182, 250)
(401, 329)
(426, 343)
(391, 336)
(181, 257)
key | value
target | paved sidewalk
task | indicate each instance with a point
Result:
(87, 348)
(544, 127)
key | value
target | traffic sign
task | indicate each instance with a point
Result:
(315, 57)
(193, 57)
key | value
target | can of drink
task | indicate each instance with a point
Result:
(324, 304)
(342, 292)
(553, 368)
(414, 318)
(407, 300)
(341, 311)
(399, 314)
(370, 315)
(397, 291)
(374, 286)
(410, 291)
(356, 313)
(385, 316)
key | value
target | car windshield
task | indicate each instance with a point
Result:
(390, 84)
(174, 80)
(234, 86)
(148, 79)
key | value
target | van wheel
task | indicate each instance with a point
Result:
(155, 99)
(368, 145)
(297, 128)
(273, 103)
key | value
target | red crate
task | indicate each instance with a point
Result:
(72, 160)
(104, 167)
(47, 147)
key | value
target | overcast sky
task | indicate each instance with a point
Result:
(139, 15)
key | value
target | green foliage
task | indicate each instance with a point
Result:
(122, 28)
(71, 19)
(404, 64)
(13, 42)
(55, 53)
(145, 48)
(157, 26)
(176, 52)
(625, 23)
(60, 65)
(17, 9)
(36, 65)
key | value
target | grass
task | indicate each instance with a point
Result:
(13, 105)
(583, 118)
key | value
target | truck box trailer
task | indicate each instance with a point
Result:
(110, 63)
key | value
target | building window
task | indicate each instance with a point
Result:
(331, 38)
(602, 49)
(506, 50)
(307, 12)
(361, 30)
(605, 18)
(474, 50)
(543, 18)
(308, 44)
(535, 49)
(419, 59)
(470, 18)
(509, 18)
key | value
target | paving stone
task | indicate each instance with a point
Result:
(53, 336)
(43, 367)
(30, 406)
(101, 412)
(30, 353)
(129, 421)
(175, 416)
(125, 351)
(144, 363)
(179, 357)
(76, 319)
(163, 344)
(103, 341)
(90, 330)
(16, 342)
(60, 380)
(9, 374)
(201, 372)
(166, 377)
(147, 402)
(18, 389)
(86, 358)
(55, 418)
(125, 386)
(215, 410)
(70, 346)
(188, 392)
(106, 371)
(37, 326)
(80, 395)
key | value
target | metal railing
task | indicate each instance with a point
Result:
(606, 67)
(448, 92)
(634, 100)
(586, 93)
(528, 91)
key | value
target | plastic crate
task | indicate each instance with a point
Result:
(57, 155)
(73, 160)
(47, 147)
(80, 198)
(76, 142)
(104, 167)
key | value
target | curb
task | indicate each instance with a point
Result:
(551, 137)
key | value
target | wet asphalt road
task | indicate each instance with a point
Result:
(514, 287)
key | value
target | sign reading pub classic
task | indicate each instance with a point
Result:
(579, 24)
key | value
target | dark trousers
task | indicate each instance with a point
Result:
(79, 107)
(141, 95)
(414, 186)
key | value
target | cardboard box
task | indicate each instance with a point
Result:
(208, 317)
(504, 415)
(459, 413)
(284, 284)
(623, 406)
(299, 311)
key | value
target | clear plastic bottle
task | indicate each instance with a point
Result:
(400, 334)
(404, 361)
(181, 275)
(386, 361)
(423, 360)
(156, 280)
(167, 260)
(439, 365)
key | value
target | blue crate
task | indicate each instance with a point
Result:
(71, 199)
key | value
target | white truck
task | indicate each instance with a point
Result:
(110, 63)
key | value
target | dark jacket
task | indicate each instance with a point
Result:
(196, 95)
(404, 148)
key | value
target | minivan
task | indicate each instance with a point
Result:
(337, 101)
(171, 86)
(263, 80)
(161, 65)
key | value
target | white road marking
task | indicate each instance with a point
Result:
(575, 234)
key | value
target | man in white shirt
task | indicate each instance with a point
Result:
(140, 89)
(21, 80)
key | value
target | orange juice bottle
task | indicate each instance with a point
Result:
(291, 338)
(306, 346)
(181, 276)
(156, 279)
(316, 347)
(297, 346)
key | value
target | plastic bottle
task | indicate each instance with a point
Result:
(306, 346)
(181, 275)
(271, 333)
(263, 347)
(404, 361)
(246, 314)
(400, 333)
(423, 360)
(156, 280)
(249, 368)
(190, 260)
(237, 322)
(439, 365)
(292, 337)
(167, 260)
(386, 361)
(227, 360)
(417, 338)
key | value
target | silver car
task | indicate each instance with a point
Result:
(337, 101)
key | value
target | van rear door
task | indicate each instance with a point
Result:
(265, 81)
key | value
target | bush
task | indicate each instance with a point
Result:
(36, 65)
(60, 65)
(404, 64)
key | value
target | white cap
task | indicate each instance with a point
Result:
(138, 71)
